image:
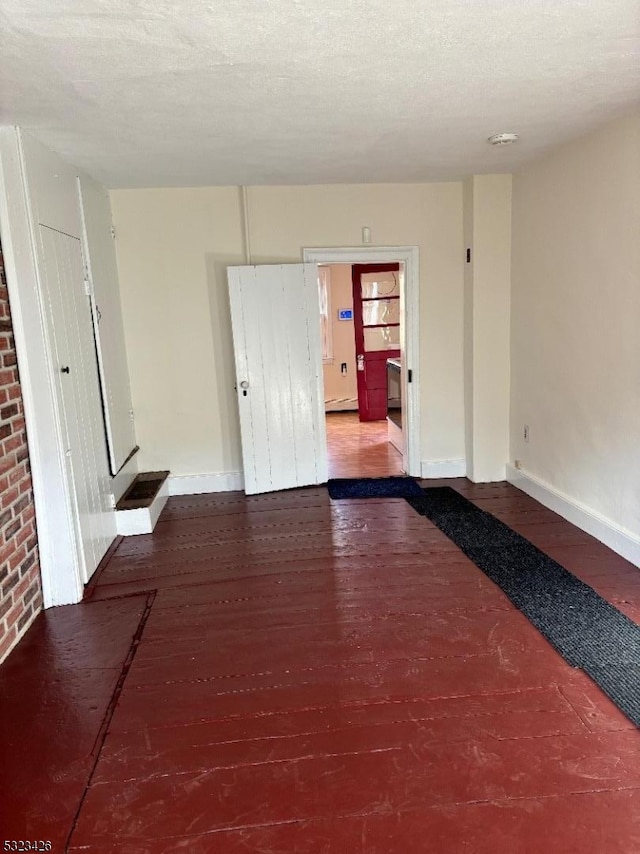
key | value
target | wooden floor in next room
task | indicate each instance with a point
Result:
(286, 673)
(360, 448)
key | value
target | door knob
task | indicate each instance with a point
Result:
(64, 370)
(244, 384)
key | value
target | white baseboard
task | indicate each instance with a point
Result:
(443, 468)
(143, 520)
(341, 404)
(198, 484)
(620, 540)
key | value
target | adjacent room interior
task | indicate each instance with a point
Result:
(247, 253)
(364, 438)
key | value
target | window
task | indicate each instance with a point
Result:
(324, 288)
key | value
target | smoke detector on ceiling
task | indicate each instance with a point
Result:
(503, 138)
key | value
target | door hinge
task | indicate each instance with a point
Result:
(113, 232)
(409, 375)
(87, 287)
(131, 418)
(112, 501)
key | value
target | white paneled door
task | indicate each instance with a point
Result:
(275, 315)
(75, 369)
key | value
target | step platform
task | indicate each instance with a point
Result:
(139, 508)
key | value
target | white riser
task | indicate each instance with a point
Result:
(143, 520)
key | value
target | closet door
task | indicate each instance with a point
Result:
(70, 333)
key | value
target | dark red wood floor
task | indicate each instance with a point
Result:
(286, 674)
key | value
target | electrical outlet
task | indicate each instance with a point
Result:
(525, 433)
(517, 464)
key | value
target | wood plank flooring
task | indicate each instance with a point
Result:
(360, 448)
(318, 676)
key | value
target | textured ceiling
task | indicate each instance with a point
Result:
(182, 92)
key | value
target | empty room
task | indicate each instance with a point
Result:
(319, 418)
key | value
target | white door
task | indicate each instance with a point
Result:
(76, 376)
(275, 315)
(100, 258)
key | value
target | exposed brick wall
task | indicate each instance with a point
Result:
(20, 586)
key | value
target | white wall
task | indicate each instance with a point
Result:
(574, 326)
(173, 246)
(341, 390)
(487, 285)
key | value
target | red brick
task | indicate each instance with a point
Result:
(23, 533)
(21, 594)
(17, 557)
(33, 590)
(20, 589)
(27, 563)
(13, 443)
(28, 516)
(25, 485)
(21, 504)
(14, 613)
(11, 530)
(7, 641)
(9, 495)
(17, 474)
(25, 617)
(6, 551)
(4, 606)
(7, 463)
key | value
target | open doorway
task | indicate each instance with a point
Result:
(361, 329)
(408, 329)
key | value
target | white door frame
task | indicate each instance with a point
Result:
(60, 570)
(410, 257)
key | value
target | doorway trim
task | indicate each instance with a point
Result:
(410, 257)
(60, 570)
